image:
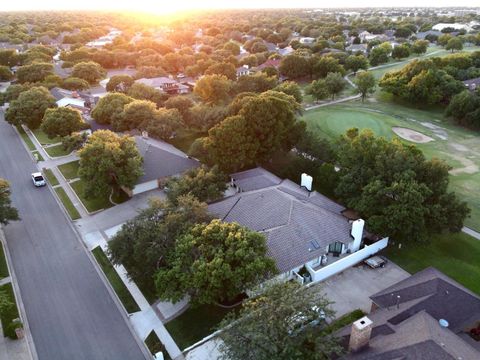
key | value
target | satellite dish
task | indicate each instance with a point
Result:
(443, 323)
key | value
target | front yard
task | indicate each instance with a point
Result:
(10, 314)
(70, 170)
(196, 323)
(457, 255)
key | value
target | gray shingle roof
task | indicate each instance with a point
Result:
(286, 214)
(161, 159)
(412, 331)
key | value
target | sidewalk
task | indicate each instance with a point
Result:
(471, 232)
(70, 193)
(147, 319)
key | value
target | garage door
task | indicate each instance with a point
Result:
(146, 186)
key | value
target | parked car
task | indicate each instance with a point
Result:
(38, 179)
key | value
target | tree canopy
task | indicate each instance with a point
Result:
(205, 184)
(213, 89)
(89, 71)
(286, 322)
(30, 107)
(144, 243)
(109, 109)
(365, 82)
(7, 211)
(62, 122)
(259, 125)
(108, 160)
(36, 72)
(120, 83)
(398, 191)
(214, 262)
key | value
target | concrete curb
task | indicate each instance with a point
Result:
(18, 298)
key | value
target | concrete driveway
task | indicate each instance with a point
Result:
(352, 288)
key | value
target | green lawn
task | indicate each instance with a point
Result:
(67, 203)
(195, 324)
(3, 264)
(92, 204)
(155, 345)
(457, 255)
(117, 284)
(56, 151)
(185, 138)
(25, 138)
(344, 320)
(70, 170)
(37, 156)
(52, 179)
(10, 314)
(43, 138)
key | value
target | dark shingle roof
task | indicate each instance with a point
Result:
(411, 330)
(161, 159)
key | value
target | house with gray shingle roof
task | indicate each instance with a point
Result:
(302, 228)
(426, 316)
(160, 162)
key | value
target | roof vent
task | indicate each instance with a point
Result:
(443, 323)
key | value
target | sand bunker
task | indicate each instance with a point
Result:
(411, 135)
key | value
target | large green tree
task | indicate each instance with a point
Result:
(464, 108)
(5, 73)
(109, 160)
(290, 88)
(285, 322)
(203, 183)
(318, 89)
(89, 71)
(62, 122)
(30, 107)
(356, 62)
(120, 83)
(163, 124)
(213, 89)
(295, 66)
(454, 44)
(137, 114)
(144, 243)
(34, 73)
(7, 211)
(365, 83)
(214, 262)
(335, 84)
(109, 109)
(259, 126)
(141, 91)
(325, 65)
(398, 191)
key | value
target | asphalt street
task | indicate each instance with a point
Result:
(69, 309)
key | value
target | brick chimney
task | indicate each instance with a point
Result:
(360, 335)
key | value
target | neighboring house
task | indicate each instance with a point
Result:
(356, 48)
(275, 63)
(243, 70)
(165, 84)
(423, 34)
(302, 228)
(76, 99)
(472, 84)
(456, 26)
(160, 162)
(427, 316)
(271, 47)
(307, 40)
(285, 51)
(363, 35)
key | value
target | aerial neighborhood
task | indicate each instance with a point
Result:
(252, 183)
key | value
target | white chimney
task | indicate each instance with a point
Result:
(357, 233)
(306, 181)
(360, 334)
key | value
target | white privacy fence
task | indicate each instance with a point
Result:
(346, 262)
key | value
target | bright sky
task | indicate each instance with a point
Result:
(165, 6)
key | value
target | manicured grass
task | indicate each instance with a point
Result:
(56, 151)
(457, 255)
(52, 179)
(44, 139)
(195, 324)
(70, 170)
(67, 203)
(3, 264)
(92, 204)
(37, 156)
(25, 138)
(10, 314)
(120, 289)
(155, 345)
